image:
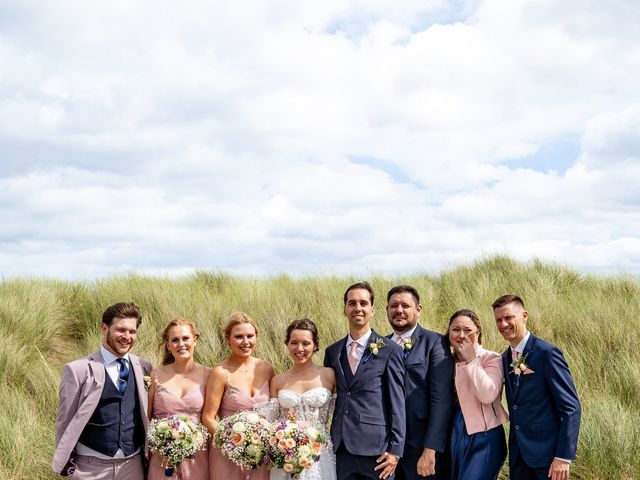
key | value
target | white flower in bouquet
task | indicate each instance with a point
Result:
(243, 438)
(294, 446)
(176, 438)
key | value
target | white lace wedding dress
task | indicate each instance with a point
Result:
(313, 406)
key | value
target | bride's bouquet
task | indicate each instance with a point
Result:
(176, 438)
(294, 445)
(243, 438)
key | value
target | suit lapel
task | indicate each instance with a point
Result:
(529, 348)
(336, 361)
(142, 393)
(415, 338)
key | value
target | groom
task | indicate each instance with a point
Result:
(544, 408)
(101, 421)
(368, 427)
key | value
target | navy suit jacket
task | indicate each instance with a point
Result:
(428, 383)
(369, 415)
(544, 407)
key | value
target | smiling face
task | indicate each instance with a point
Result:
(181, 342)
(511, 321)
(242, 339)
(358, 308)
(120, 336)
(301, 346)
(461, 328)
(403, 311)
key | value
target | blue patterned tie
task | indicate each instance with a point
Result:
(123, 375)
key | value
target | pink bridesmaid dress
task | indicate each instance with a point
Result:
(166, 403)
(233, 401)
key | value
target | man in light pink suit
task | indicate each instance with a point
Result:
(102, 416)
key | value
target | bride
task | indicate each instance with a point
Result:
(307, 391)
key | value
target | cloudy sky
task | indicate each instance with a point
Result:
(332, 137)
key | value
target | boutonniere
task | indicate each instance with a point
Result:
(374, 347)
(408, 343)
(147, 381)
(519, 366)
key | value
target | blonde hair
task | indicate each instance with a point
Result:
(237, 318)
(167, 357)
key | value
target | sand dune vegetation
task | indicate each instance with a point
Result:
(593, 319)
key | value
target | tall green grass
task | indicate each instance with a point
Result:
(594, 320)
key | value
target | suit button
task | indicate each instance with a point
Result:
(346, 412)
(515, 407)
(517, 427)
(348, 394)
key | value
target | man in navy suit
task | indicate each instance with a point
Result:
(428, 383)
(544, 408)
(368, 425)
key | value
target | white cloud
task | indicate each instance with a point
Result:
(165, 138)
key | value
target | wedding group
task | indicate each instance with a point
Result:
(407, 404)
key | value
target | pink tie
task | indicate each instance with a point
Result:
(400, 341)
(353, 356)
(514, 355)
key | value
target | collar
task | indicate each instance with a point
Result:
(407, 334)
(109, 357)
(363, 341)
(523, 343)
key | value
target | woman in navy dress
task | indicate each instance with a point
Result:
(478, 446)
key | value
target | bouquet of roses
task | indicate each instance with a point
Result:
(243, 437)
(176, 438)
(294, 445)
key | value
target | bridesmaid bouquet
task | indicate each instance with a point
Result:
(176, 438)
(294, 446)
(243, 438)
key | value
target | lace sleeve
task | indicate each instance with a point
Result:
(270, 409)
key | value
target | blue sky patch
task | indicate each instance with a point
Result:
(557, 155)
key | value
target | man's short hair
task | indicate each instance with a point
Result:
(122, 310)
(404, 289)
(357, 286)
(506, 300)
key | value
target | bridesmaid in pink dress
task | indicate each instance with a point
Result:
(178, 387)
(239, 383)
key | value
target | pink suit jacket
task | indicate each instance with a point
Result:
(479, 388)
(80, 390)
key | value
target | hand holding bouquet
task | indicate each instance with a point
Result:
(176, 438)
(243, 437)
(294, 446)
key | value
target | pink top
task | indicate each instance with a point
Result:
(479, 388)
(236, 400)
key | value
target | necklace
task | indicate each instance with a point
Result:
(184, 374)
(241, 364)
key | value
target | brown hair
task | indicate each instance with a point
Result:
(465, 312)
(304, 324)
(360, 285)
(122, 310)
(167, 357)
(506, 300)
(237, 318)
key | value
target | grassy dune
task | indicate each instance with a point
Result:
(594, 320)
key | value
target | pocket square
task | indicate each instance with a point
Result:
(528, 371)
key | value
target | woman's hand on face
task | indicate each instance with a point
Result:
(467, 349)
